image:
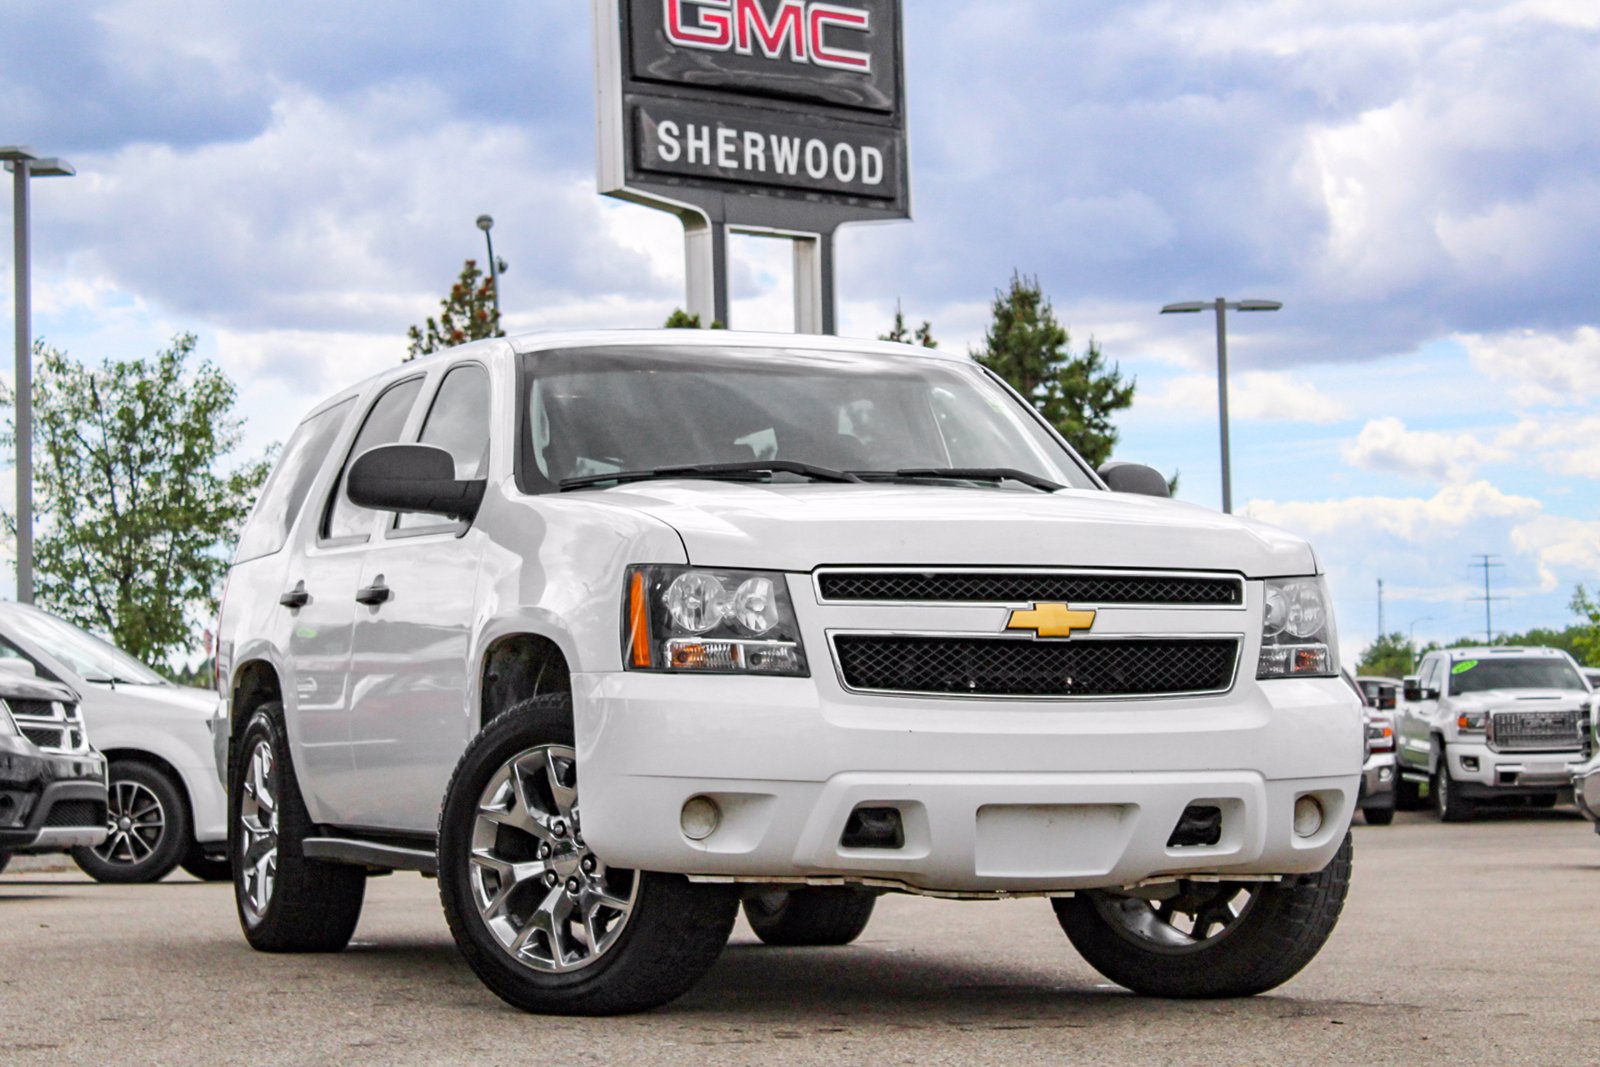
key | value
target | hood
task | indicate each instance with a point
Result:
(170, 698)
(800, 527)
(23, 687)
(1522, 700)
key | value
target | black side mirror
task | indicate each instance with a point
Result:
(1134, 478)
(413, 478)
(1412, 692)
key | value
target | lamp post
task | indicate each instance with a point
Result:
(1411, 631)
(1222, 305)
(23, 164)
(486, 223)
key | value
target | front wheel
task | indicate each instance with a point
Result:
(546, 923)
(1447, 801)
(147, 827)
(1206, 939)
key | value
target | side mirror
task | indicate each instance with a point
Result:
(1413, 694)
(1134, 478)
(413, 478)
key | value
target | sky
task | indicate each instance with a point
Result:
(1418, 183)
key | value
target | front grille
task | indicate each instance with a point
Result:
(986, 666)
(954, 587)
(33, 709)
(76, 813)
(1535, 730)
(51, 737)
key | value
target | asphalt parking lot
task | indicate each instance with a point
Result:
(1459, 944)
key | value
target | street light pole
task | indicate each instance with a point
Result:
(23, 165)
(1222, 304)
(486, 223)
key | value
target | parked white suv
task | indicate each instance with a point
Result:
(1492, 724)
(811, 620)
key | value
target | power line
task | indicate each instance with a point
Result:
(1488, 563)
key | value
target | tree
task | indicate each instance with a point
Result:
(467, 314)
(682, 320)
(1586, 642)
(1390, 656)
(137, 506)
(922, 335)
(1077, 394)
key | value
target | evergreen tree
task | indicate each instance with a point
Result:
(1076, 393)
(467, 314)
(1390, 656)
(1586, 642)
(922, 335)
(682, 320)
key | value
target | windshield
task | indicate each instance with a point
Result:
(92, 658)
(1477, 676)
(604, 411)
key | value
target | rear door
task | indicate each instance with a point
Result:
(410, 718)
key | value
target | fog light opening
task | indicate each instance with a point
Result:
(1200, 826)
(1307, 816)
(700, 818)
(878, 828)
(1469, 763)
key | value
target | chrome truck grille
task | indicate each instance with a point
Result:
(1001, 587)
(1530, 731)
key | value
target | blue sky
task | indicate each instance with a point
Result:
(1418, 183)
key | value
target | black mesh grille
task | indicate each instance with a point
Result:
(1002, 588)
(38, 709)
(45, 736)
(76, 813)
(984, 666)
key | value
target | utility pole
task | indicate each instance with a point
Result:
(1380, 608)
(1487, 564)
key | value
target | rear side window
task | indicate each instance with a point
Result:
(383, 426)
(285, 493)
(458, 422)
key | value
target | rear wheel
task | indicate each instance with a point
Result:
(1543, 801)
(286, 903)
(1228, 939)
(812, 916)
(1407, 794)
(207, 866)
(546, 923)
(147, 826)
(1378, 816)
(5, 859)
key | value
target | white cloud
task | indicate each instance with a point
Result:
(1543, 368)
(1560, 545)
(1266, 396)
(1387, 445)
(1415, 520)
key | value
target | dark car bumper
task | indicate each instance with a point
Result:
(50, 802)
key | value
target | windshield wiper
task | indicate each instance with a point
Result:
(961, 474)
(713, 470)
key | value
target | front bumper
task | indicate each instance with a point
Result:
(1482, 773)
(50, 802)
(994, 796)
(1586, 790)
(1378, 781)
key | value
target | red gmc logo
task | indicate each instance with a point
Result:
(798, 30)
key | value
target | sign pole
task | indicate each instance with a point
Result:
(705, 246)
(24, 383)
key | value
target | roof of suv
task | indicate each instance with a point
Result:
(1490, 651)
(539, 342)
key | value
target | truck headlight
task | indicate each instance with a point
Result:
(1472, 722)
(707, 620)
(1297, 639)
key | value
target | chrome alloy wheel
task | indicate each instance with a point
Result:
(258, 823)
(135, 823)
(553, 905)
(1198, 914)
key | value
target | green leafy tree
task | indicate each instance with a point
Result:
(1390, 656)
(1586, 641)
(1076, 393)
(901, 334)
(467, 314)
(682, 320)
(136, 499)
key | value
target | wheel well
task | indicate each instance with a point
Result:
(255, 684)
(135, 755)
(1436, 756)
(518, 667)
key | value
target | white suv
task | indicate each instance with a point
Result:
(812, 620)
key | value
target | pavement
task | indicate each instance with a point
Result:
(1459, 944)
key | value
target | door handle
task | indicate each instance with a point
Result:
(374, 594)
(296, 598)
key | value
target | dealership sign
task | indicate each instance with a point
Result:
(781, 116)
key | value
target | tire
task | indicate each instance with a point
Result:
(1447, 803)
(286, 902)
(1378, 816)
(597, 941)
(1276, 932)
(205, 866)
(1544, 801)
(5, 860)
(809, 917)
(149, 826)
(1407, 795)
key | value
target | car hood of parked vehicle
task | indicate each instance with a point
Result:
(180, 700)
(1521, 700)
(802, 526)
(23, 687)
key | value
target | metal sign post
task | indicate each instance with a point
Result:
(782, 118)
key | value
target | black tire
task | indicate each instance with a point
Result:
(672, 933)
(818, 915)
(5, 860)
(1283, 926)
(152, 833)
(1407, 795)
(208, 867)
(1544, 801)
(1378, 816)
(312, 906)
(1447, 802)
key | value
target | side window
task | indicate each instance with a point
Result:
(280, 502)
(1431, 674)
(458, 422)
(382, 427)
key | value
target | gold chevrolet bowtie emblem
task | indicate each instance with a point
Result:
(1051, 620)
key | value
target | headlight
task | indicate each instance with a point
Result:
(1472, 722)
(710, 621)
(1297, 639)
